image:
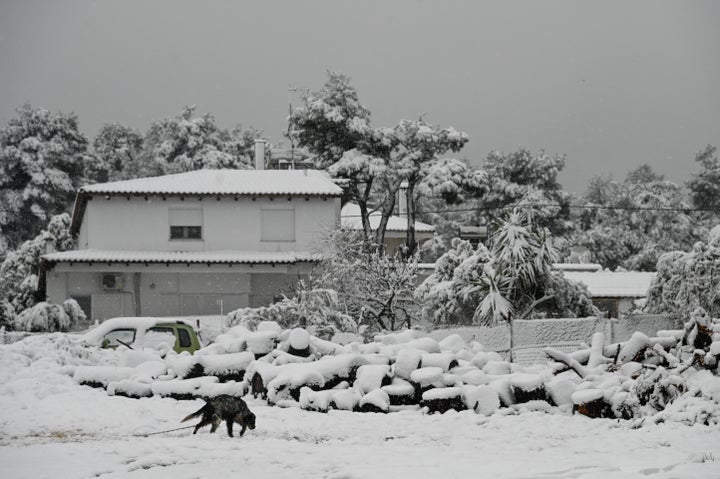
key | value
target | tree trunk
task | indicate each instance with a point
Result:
(362, 201)
(410, 199)
(386, 211)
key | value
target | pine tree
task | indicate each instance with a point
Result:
(188, 143)
(704, 185)
(521, 178)
(118, 149)
(43, 159)
(632, 223)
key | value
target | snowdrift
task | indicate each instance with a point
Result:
(671, 377)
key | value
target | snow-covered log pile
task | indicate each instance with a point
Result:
(669, 377)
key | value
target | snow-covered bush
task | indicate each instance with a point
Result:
(50, 317)
(19, 270)
(373, 287)
(686, 281)
(317, 310)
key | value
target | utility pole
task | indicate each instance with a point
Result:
(289, 132)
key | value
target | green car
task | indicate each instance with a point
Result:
(138, 333)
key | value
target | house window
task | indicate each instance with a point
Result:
(186, 223)
(278, 224)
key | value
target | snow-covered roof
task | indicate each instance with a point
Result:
(614, 284)
(225, 182)
(203, 257)
(350, 217)
(586, 267)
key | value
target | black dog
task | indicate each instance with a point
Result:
(226, 408)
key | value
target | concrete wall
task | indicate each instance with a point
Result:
(175, 290)
(227, 224)
(531, 336)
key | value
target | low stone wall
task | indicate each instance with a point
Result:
(530, 336)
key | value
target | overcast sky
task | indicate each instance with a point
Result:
(612, 84)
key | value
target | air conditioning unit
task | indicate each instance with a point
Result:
(113, 281)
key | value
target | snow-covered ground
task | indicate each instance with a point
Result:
(52, 427)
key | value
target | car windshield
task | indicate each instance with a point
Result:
(114, 337)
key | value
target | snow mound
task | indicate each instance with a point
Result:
(299, 339)
(497, 367)
(441, 393)
(445, 361)
(585, 396)
(371, 377)
(475, 377)
(427, 376)
(453, 343)
(526, 382)
(406, 361)
(375, 401)
(483, 399)
(345, 399)
(102, 375)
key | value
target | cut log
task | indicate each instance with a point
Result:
(596, 351)
(528, 387)
(590, 403)
(671, 360)
(561, 357)
(443, 399)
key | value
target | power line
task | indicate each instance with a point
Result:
(557, 205)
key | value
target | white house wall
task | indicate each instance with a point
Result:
(174, 290)
(118, 223)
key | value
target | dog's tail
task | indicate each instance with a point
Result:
(197, 413)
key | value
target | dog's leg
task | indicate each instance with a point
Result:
(229, 423)
(216, 422)
(242, 431)
(204, 422)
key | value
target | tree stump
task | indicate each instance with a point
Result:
(443, 399)
(591, 403)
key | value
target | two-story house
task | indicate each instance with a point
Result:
(203, 242)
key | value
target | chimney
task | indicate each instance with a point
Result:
(402, 199)
(259, 154)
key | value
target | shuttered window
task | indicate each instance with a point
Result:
(278, 224)
(186, 223)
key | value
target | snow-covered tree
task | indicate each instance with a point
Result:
(374, 288)
(644, 174)
(521, 178)
(19, 271)
(630, 224)
(512, 279)
(187, 142)
(689, 280)
(333, 125)
(704, 185)
(118, 149)
(43, 159)
(416, 157)
(331, 121)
